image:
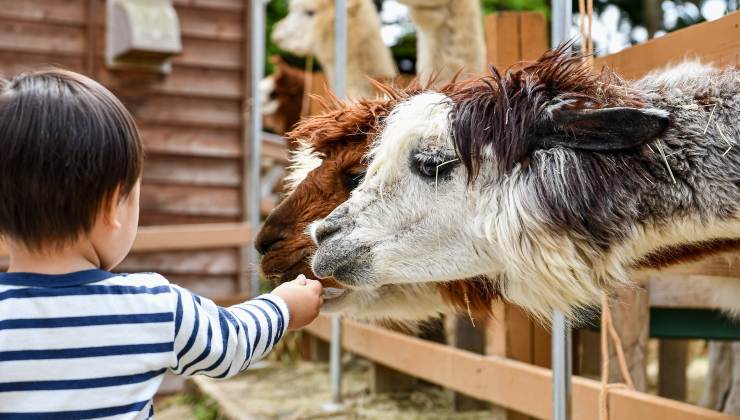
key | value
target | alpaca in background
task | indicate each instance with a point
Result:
(282, 95)
(450, 38)
(309, 29)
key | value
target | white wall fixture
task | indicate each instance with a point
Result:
(142, 35)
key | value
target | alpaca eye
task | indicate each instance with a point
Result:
(433, 166)
(309, 13)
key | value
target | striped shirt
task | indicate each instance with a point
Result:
(92, 344)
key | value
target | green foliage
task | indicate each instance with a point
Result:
(490, 6)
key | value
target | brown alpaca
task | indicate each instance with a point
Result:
(281, 95)
(341, 136)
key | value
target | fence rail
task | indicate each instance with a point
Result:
(509, 383)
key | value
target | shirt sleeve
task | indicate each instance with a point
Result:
(221, 342)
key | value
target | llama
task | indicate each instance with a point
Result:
(328, 165)
(449, 38)
(309, 29)
(552, 182)
(281, 95)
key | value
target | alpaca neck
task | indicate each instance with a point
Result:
(450, 38)
(367, 55)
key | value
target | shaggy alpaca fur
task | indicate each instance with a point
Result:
(327, 167)
(449, 38)
(309, 29)
(550, 181)
(281, 95)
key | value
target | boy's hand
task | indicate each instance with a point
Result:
(303, 298)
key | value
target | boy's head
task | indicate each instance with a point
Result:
(70, 163)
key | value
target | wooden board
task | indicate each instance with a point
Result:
(198, 141)
(717, 42)
(43, 38)
(180, 199)
(192, 170)
(505, 382)
(48, 11)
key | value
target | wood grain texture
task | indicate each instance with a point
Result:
(717, 42)
(505, 382)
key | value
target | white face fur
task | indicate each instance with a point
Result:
(412, 218)
(293, 33)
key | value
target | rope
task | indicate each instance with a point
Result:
(307, 85)
(608, 330)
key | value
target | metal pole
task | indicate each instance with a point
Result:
(562, 344)
(257, 50)
(340, 89)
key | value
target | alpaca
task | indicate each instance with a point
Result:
(449, 38)
(309, 29)
(327, 166)
(281, 95)
(552, 182)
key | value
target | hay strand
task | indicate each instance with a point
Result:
(665, 159)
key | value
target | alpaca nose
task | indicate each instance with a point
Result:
(329, 226)
(324, 231)
(267, 237)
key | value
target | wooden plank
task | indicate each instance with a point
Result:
(198, 22)
(189, 200)
(218, 262)
(46, 11)
(196, 141)
(210, 24)
(220, 288)
(717, 42)
(210, 113)
(153, 218)
(42, 38)
(185, 237)
(210, 54)
(191, 237)
(533, 33)
(228, 5)
(14, 62)
(192, 171)
(500, 26)
(691, 292)
(182, 81)
(509, 383)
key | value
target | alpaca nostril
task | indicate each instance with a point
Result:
(325, 230)
(266, 240)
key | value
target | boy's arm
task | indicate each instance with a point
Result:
(220, 342)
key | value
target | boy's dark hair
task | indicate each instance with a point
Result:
(66, 145)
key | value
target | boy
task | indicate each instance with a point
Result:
(77, 341)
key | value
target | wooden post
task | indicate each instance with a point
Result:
(672, 355)
(512, 334)
(631, 316)
(472, 338)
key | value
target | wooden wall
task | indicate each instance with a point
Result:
(191, 119)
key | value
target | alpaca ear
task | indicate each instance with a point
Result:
(603, 130)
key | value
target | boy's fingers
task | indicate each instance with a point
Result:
(315, 285)
(301, 279)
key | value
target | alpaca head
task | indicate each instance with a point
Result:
(452, 187)
(281, 96)
(309, 25)
(327, 167)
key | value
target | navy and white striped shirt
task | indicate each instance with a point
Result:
(93, 344)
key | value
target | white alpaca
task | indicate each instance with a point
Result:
(568, 187)
(449, 38)
(309, 29)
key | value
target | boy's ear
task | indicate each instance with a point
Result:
(110, 209)
(602, 130)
